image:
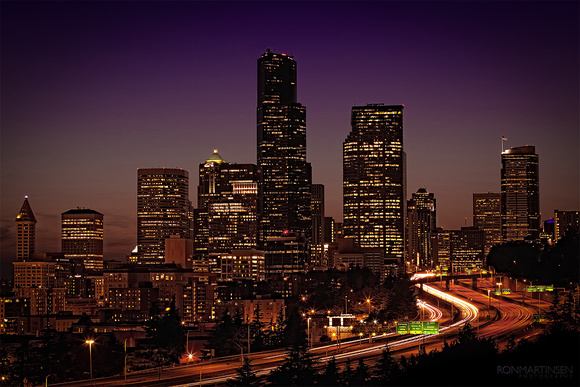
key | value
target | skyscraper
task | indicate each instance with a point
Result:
(163, 209)
(373, 180)
(284, 176)
(520, 194)
(421, 224)
(82, 237)
(487, 217)
(25, 231)
(227, 214)
(318, 225)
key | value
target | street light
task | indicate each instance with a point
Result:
(360, 334)
(309, 340)
(90, 343)
(369, 303)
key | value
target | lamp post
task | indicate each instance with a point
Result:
(309, 341)
(369, 304)
(90, 343)
(125, 369)
(241, 349)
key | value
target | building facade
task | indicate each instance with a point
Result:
(25, 231)
(318, 226)
(163, 209)
(487, 217)
(421, 224)
(565, 221)
(373, 180)
(520, 194)
(82, 237)
(284, 176)
(226, 217)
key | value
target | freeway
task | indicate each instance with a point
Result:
(500, 319)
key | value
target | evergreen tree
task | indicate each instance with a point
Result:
(246, 376)
(298, 367)
(385, 369)
(361, 375)
(257, 330)
(347, 374)
(331, 374)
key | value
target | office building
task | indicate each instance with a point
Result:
(82, 237)
(25, 231)
(421, 223)
(318, 226)
(565, 221)
(243, 265)
(520, 194)
(459, 251)
(373, 180)
(163, 210)
(487, 217)
(226, 217)
(284, 176)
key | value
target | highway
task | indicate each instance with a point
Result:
(490, 316)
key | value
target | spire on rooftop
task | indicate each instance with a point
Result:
(25, 214)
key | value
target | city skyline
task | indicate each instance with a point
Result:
(85, 106)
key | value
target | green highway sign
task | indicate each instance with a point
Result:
(497, 292)
(418, 327)
(484, 272)
(506, 291)
(403, 328)
(540, 288)
(540, 317)
(431, 327)
(415, 327)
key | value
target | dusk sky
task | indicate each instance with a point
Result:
(91, 91)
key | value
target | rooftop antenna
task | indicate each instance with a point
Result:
(502, 140)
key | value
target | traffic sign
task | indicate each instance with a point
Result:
(506, 291)
(403, 328)
(416, 327)
(431, 327)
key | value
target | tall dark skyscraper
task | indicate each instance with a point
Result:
(421, 224)
(487, 217)
(163, 210)
(520, 194)
(26, 232)
(318, 225)
(374, 179)
(284, 175)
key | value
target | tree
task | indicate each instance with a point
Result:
(298, 367)
(246, 376)
(331, 374)
(165, 331)
(347, 374)
(257, 330)
(385, 369)
(361, 375)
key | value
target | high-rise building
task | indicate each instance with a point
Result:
(487, 217)
(520, 194)
(565, 221)
(163, 210)
(458, 250)
(373, 180)
(318, 226)
(421, 223)
(25, 231)
(227, 210)
(284, 176)
(82, 237)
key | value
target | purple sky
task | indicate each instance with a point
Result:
(93, 91)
